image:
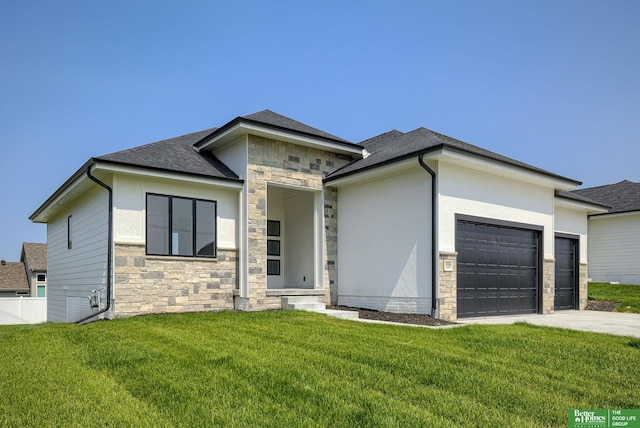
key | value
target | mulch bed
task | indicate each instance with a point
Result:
(602, 305)
(418, 319)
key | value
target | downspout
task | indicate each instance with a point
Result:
(109, 250)
(434, 247)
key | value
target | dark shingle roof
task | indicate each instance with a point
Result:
(621, 197)
(395, 145)
(270, 119)
(175, 154)
(13, 276)
(34, 255)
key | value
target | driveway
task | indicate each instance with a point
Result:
(616, 323)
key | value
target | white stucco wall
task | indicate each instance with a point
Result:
(614, 248)
(573, 221)
(73, 273)
(476, 193)
(129, 206)
(384, 243)
(235, 156)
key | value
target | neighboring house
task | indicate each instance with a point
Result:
(34, 257)
(266, 209)
(614, 236)
(13, 281)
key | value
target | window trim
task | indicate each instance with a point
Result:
(69, 235)
(193, 226)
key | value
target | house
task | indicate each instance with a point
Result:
(614, 254)
(265, 211)
(13, 281)
(34, 257)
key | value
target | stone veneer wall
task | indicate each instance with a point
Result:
(583, 286)
(448, 291)
(548, 286)
(277, 162)
(156, 284)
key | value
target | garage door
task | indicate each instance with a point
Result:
(565, 273)
(497, 269)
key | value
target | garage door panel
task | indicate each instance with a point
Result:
(497, 270)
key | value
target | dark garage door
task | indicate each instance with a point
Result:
(565, 273)
(497, 270)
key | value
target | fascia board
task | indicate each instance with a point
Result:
(229, 135)
(505, 170)
(375, 173)
(559, 201)
(40, 214)
(610, 215)
(167, 175)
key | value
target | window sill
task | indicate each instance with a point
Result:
(182, 258)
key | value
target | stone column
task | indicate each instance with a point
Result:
(447, 290)
(548, 286)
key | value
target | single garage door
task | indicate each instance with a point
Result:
(565, 273)
(497, 269)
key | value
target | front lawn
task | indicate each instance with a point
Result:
(291, 368)
(628, 295)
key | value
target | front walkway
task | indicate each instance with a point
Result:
(617, 323)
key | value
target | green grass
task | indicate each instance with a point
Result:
(301, 369)
(627, 295)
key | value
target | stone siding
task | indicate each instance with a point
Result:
(155, 284)
(448, 291)
(583, 286)
(548, 286)
(277, 162)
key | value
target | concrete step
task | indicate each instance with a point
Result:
(313, 307)
(344, 315)
(311, 303)
(292, 300)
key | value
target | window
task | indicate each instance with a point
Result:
(41, 291)
(69, 237)
(273, 247)
(41, 277)
(273, 267)
(179, 226)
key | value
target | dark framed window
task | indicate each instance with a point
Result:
(69, 235)
(178, 226)
(41, 277)
(273, 228)
(273, 267)
(273, 247)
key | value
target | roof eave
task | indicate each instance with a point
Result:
(240, 125)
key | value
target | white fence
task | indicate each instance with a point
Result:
(23, 310)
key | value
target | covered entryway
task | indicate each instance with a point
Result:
(292, 238)
(565, 272)
(498, 269)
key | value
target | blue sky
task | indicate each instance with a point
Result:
(552, 83)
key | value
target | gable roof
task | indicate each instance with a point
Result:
(621, 197)
(175, 155)
(394, 146)
(273, 120)
(13, 276)
(34, 256)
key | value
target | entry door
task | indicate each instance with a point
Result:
(566, 273)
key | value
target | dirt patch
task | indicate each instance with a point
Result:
(602, 305)
(418, 319)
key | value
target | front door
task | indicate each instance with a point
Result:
(566, 273)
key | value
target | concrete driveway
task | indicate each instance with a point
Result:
(599, 322)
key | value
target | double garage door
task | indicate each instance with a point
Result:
(499, 270)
